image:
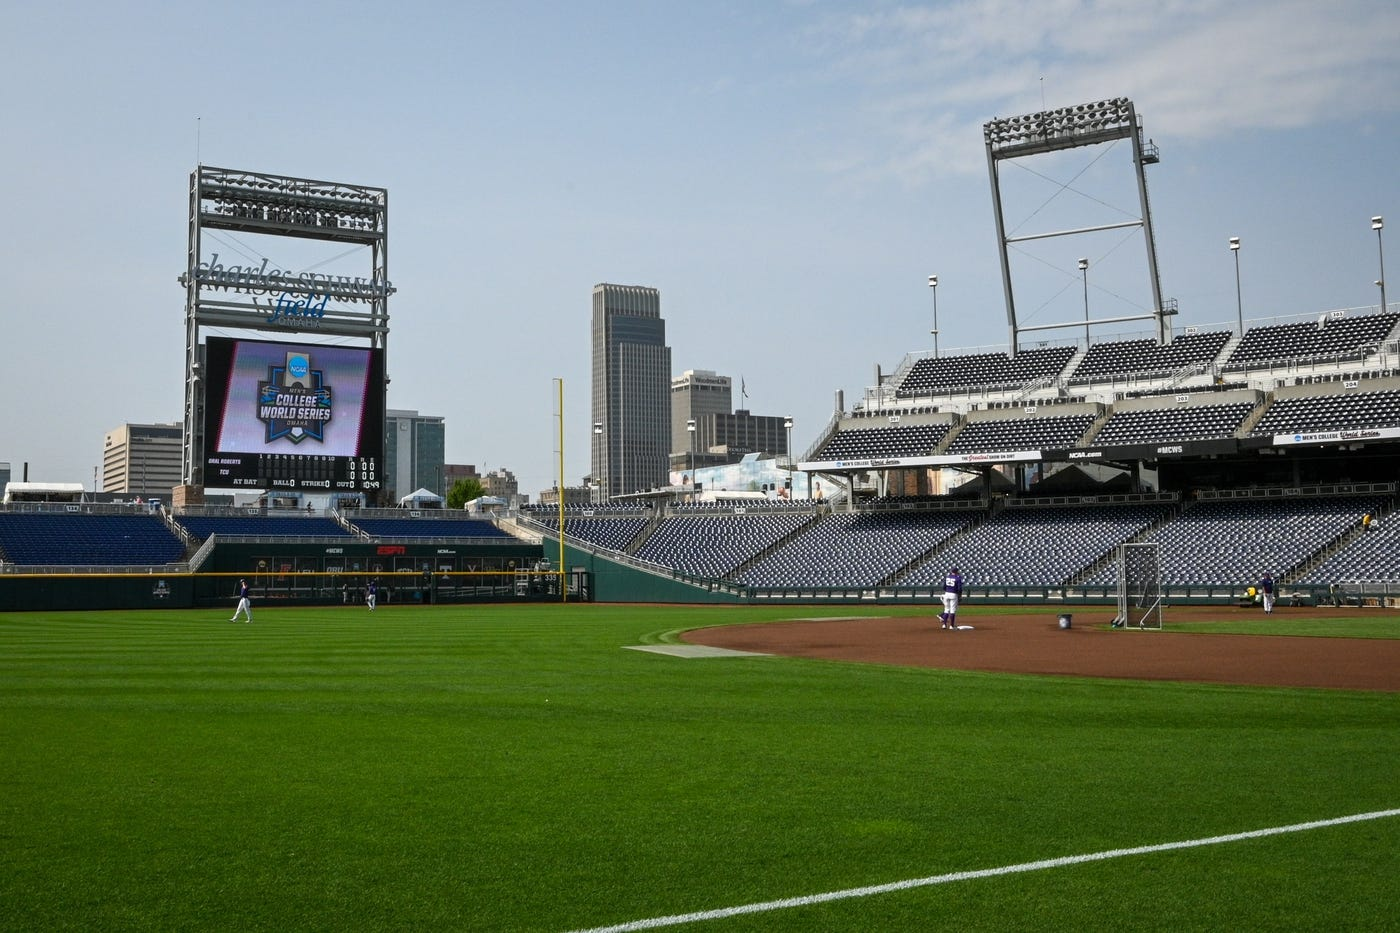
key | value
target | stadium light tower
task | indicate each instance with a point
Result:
(1377, 224)
(933, 284)
(787, 423)
(1239, 305)
(1084, 273)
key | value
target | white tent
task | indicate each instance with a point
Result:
(421, 499)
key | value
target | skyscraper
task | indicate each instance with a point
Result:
(631, 389)
(414, 452)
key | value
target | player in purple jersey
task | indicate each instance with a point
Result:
(952, 593)
(1266, 592)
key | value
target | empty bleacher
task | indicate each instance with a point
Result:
(1119, 359)
(81, 539)
(429, 528)
(902, 440)
(1020, 434)
(855, 549)
(261, 526)
(1233, 541)
(611, 533)
(1333, 338)
(1336, 412)
(943, 374)
(1187, 422)
(1037, 546)
(715, 545)
(1371, 556)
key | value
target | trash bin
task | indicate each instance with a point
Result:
(1066, 619)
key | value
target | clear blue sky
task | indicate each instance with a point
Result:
(787, 174)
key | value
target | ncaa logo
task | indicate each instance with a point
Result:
(298, 366)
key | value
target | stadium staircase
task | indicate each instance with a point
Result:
(995, 507)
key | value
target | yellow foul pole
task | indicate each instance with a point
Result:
(563, 582)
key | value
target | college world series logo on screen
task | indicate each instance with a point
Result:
(294, 402)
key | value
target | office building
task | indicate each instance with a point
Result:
(142, 460)
(695, 394)
(415, 452)
(631, 390)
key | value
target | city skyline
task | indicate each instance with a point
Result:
(788, 175)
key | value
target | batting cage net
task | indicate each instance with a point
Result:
(1139, 586)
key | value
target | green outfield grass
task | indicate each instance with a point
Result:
(513, 768)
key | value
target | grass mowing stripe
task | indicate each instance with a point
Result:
(723, 913)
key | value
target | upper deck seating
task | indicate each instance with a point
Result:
(1330, 413)
(1020, 434)
(936, 375)
(903, 440)
(1333, 338)
(1151, 425)
(1122, 358)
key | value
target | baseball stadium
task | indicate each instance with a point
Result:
(1170, 698)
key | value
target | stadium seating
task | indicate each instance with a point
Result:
(252, 526)
(855, 549)
(1233, 541)
(429, 528)
(1371, 556)
(1106, 361)
(614, 534)
(1325, 340)
(1330, 413)
(59, 538)
(1152, 425)
(715, 545)
(1037, 546)
(1020, 434)
(938, 375)
(904, 440)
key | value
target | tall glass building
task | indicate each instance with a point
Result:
(631, 390)
(415, 448)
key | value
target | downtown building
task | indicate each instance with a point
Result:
(143, 460)
(631, 390)
(415, 453)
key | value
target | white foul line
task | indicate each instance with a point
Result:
(806, 901)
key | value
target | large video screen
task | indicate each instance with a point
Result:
(292, 416)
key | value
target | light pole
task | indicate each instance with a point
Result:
(933, 284)
(1084, 273)
(1239, 305)
(1377, 223)
(690, 461)
(787, 423)
(597, 480)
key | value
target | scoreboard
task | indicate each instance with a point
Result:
(293, 416)
(292, 471)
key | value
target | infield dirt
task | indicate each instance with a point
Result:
(1024, 642)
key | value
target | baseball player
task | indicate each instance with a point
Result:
(952, 592)
(244, 606)
(372, 594)
(1266, 591)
